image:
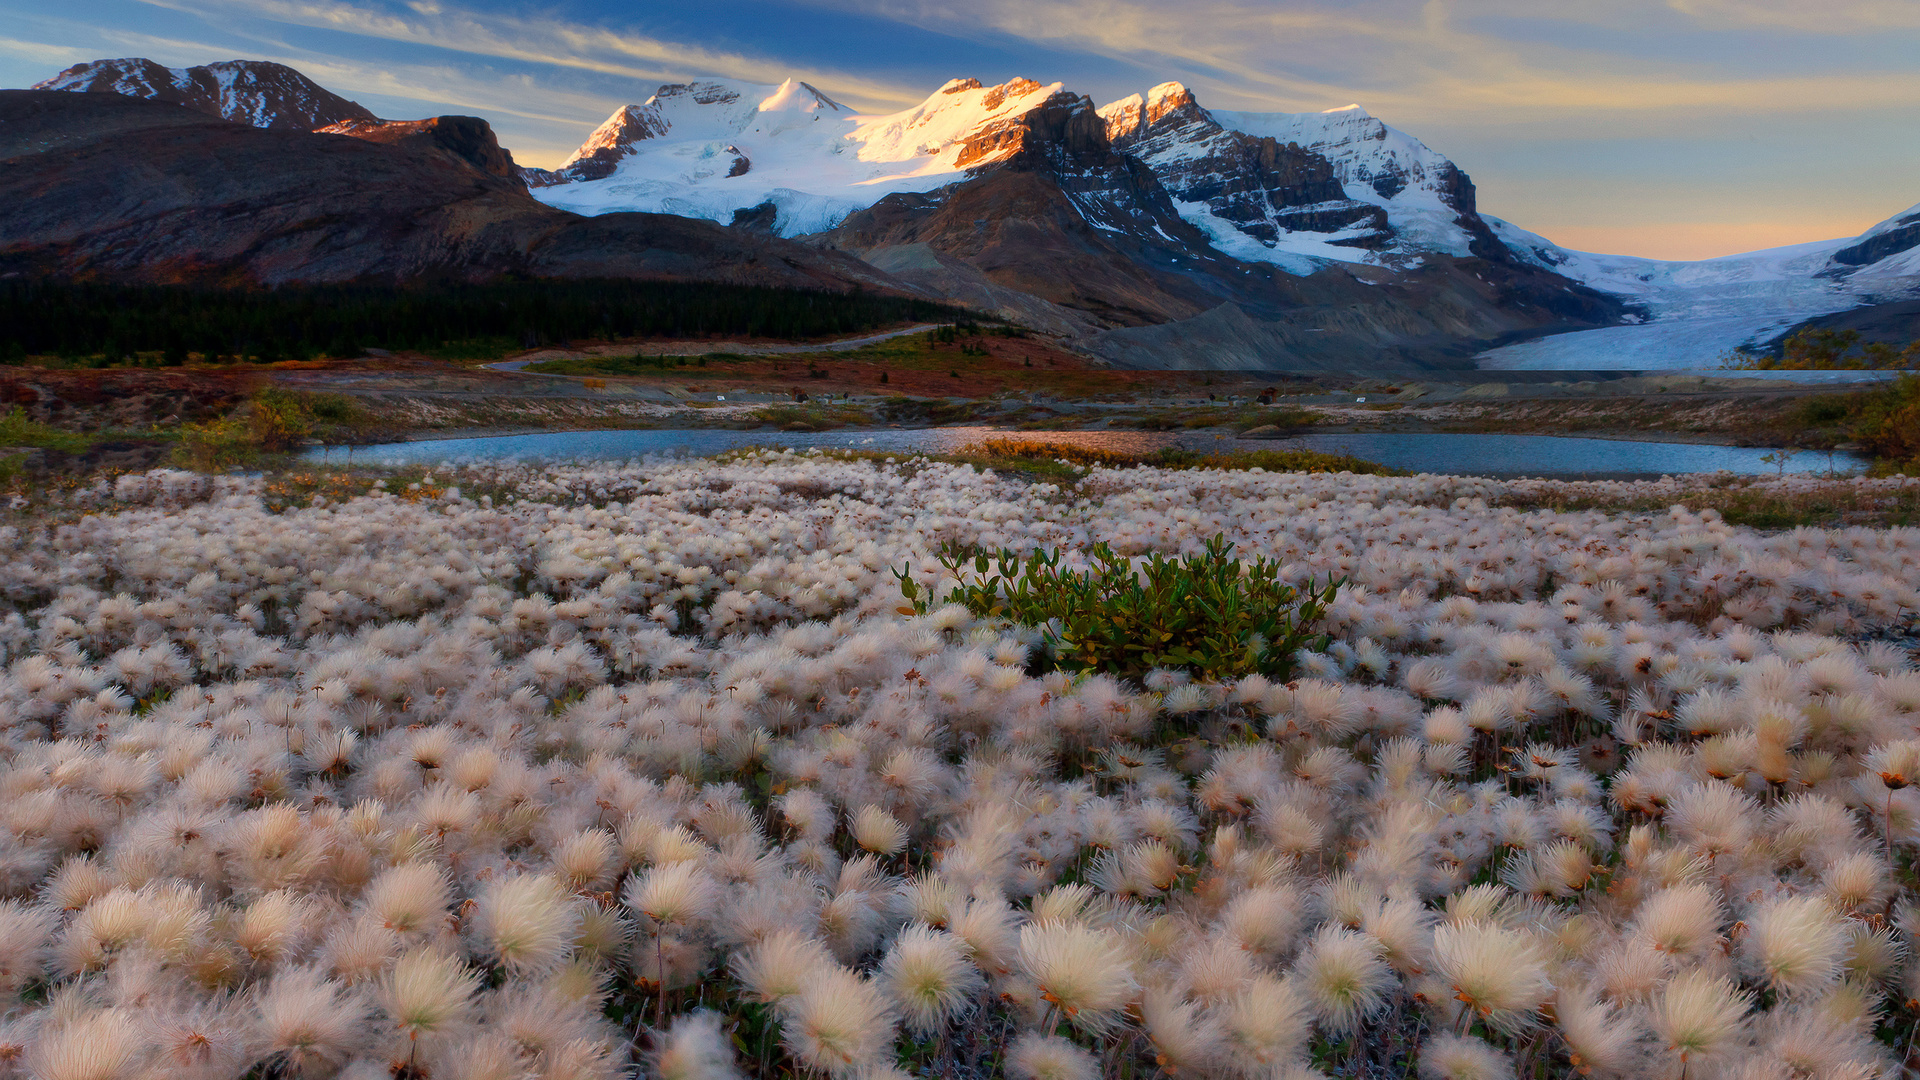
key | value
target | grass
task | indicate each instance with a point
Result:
(637, 364)
(920, 364)
(21, 437)
(1237, 417)
(811, 417)
(17, 429)
(1041, 455)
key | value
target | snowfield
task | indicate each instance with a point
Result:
(717, 146)
(639, 769)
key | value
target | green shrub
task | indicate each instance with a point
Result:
(278, 419)
(1212, 615)
(215, 445)
(1888, 423)
(1824, 411)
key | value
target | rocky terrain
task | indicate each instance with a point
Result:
(114, 187)
(1152, 232)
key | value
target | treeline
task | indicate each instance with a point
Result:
(114, 323)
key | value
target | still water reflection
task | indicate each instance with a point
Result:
(1477, 455)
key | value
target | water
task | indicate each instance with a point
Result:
(1547, 455)
(1472, 455)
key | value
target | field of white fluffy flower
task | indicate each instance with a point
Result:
(640, 768)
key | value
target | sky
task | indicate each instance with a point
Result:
(1672, 129)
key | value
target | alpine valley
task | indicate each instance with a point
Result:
(1151, 232)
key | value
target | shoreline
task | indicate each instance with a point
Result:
(420, 435)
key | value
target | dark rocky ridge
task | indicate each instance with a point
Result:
(108, 187)
(466, 139)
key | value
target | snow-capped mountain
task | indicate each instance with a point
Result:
(716, 148)
(272, 96)
(1337, 185)
(1694, 313)
(252, 92)
(1028, 200)
(1295, 190)
(1153, 232)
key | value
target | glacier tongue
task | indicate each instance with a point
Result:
(1699, 312)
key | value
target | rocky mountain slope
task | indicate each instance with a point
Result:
(252, 92)
(114, 187)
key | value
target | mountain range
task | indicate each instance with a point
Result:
(1151, 231)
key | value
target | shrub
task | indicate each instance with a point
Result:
(1889, 420)
(1212, 615)
(215, 445)
(278, 419)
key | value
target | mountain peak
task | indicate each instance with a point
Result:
(258, 93)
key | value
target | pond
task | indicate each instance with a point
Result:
(1474, 455)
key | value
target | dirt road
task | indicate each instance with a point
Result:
(846, 345)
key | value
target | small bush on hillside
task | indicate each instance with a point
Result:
(1211, 615)
(1889, 420)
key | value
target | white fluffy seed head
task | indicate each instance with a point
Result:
(309, 1022)
(780, 965)
(1082, 971)
(428, 992)
(672, 894)
(1680, 921)
(526, 923)
(98, 1045)
(838, 1023)
(695, 1048)
(1499, 973)
(411, 898)
(927, 976)
(1343, 976)
(1796, 943)
(877, 831)
(1267, 1023)
(1033, 1056)
(1698, 1014)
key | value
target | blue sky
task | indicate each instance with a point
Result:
(1668, 128)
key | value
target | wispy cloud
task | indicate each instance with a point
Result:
(1807, 16)
(42, 53)
(1423, 58)
(547, 41)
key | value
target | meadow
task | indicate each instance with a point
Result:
(583, 772)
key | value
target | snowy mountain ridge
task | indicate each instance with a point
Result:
(257, 93)
(719, 148)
